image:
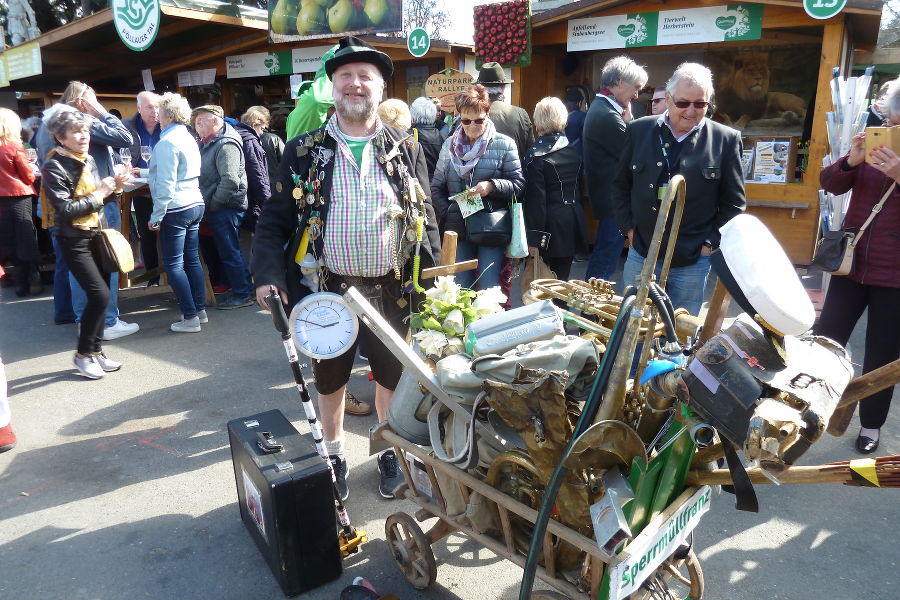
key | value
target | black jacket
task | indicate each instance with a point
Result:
(552, 200)
(710, 161)
(59, 176)
(257, 169)
(283, 219)
(602, 140)
(431, 141)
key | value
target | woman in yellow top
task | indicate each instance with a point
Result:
(74, 196)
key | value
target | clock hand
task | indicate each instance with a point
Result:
(318, 324)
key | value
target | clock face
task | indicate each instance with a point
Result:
(323, 326)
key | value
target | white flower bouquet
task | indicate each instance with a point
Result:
(448, 309)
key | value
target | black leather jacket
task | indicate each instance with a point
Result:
(59, 176)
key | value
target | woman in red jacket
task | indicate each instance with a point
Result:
(874, 282)
(18, 239)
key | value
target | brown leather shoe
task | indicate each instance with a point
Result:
(354, 406)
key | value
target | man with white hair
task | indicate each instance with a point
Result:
(708, 154)
(144, 130)
(347, 200)
(223, 183)
(604, 134)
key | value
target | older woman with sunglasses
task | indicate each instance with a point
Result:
(478, 158)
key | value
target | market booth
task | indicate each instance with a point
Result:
(209, 51)
(772, 66)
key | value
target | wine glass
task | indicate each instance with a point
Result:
(125, 155)
(145, 154)
(31, 153)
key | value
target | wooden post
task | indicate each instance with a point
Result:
(859, 388)
(715, 314)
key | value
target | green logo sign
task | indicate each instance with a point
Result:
(418, 43)
(823, 9)
(625, 30)
(136, 22)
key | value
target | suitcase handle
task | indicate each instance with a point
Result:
(267, 443)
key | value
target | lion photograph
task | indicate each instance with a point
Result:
(745, 99)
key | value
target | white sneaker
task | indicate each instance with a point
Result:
(107, 364)
(88, 367)
(201, 314)
(186, 325)
(120, 329)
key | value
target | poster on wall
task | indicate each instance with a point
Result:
(291, 21)
(764, 90)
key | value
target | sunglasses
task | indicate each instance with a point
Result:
(686, 103)
(658, 100)
(470, 121)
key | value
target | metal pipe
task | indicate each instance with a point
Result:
(614, 398)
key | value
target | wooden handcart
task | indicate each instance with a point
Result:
(411, 546)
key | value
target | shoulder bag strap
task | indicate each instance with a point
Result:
(875, 210)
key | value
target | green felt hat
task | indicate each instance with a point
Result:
(351, 49)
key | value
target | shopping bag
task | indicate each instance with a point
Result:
(518, 244)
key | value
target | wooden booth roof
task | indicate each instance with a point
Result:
(192, 34)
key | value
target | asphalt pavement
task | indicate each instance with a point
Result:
(123, 487)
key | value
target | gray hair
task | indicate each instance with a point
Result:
(256, 115)
(550, 116)
(622, 68)
(692, 74)
(423, 110)
(150, 97)
(891, 101)
(62, 122)
(175, 108)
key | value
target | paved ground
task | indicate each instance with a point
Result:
(123, 488)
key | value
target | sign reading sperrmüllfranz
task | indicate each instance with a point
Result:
(656, 543)
(136, 22)
(725, 23)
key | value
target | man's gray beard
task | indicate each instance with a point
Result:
(355, 113)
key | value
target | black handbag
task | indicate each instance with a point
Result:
(489, 227)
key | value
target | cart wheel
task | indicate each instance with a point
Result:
(676, 578)
(411, 550)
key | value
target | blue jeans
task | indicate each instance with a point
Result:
(607, 249)
(180, 242)
(62, 290)
(226, 228)
(686, 285)
(489, 274)
(79, 298)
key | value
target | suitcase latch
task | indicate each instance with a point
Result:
(284, 466)
(251, 423)
(267, 442)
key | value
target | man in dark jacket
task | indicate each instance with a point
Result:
(508, 119)
(708, 154)
(603, 137)
(144, 130)
(342, 196)
(223, 183)
(257, 172)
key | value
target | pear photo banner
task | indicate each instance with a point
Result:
(726, 23)
(295, 20)
(136, 22)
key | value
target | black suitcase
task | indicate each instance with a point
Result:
(286, 500)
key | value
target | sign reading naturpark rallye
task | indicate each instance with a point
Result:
(727, 23)
(136, 22)
(293, 20)
(445, 85)
(655, 544)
